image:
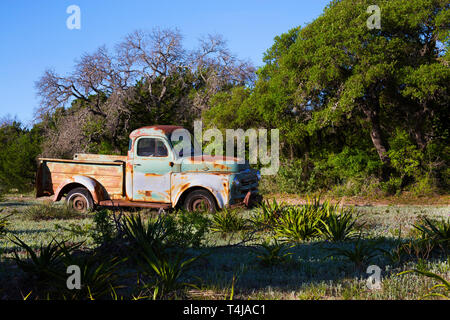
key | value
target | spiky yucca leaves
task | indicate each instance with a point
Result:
(298, 224)
(312, 219)
(99, 278)
(338, 224)
(272, 254)
(43, 265)
(361, 252)
(441, 290)
(166, 272)
(48, 269)
(4, 224)
(437, 232)
(144, 236)
(267, 214)
(227, 221)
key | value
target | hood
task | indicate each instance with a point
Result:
(213, 164)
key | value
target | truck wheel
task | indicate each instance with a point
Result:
(200, 200)
(80, 200)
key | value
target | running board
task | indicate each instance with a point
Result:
(126, 203)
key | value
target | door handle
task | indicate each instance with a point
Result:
(137, 165)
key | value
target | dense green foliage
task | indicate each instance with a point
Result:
(19, 149)
(353, 103)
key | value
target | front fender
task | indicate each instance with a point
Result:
(216, 183)
(97, 191)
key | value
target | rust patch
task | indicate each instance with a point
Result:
(221, 166)
(152, 175)
(162, 129)
(183, 189)
(199, 159)
(147, 194)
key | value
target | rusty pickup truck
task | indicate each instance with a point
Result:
(152, 175)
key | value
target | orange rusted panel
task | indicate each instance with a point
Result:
(159, 129)
(153, 175)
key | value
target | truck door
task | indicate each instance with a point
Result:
(152, 170)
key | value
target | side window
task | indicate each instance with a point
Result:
(151, 147)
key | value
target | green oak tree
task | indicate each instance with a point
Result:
(336, 82)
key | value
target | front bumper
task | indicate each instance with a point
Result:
(244, 189)
(251, 199)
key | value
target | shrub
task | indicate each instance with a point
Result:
(45, 265)
(99, 277)
(392, 186)
(267, 214)
(227, 221)
(297, 224)
(273, 254)
(166, 273)
(188, 229)
(50, 211)
(424, 186)
(151, 235)
(361, 252)
(104, 229)
(299, 176)
(438, 232)
(405, 157)
(4, 224)
(339, 225)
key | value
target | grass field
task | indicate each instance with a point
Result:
(310, 270)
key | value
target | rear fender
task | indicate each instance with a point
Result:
(97, 191)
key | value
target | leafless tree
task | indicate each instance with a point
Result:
(105, 82)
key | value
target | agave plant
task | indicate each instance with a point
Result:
(267, 214)
(338, 225)
(438, 232)
(227, 221)
(4, 224)
(145, 236)
(47, 263)
(166, 271)
(360, 253)
(99, 278)
(297, 224)
(273, 253)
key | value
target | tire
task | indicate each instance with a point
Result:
(80, 200)
(200, 200)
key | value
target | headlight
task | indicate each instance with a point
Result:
(258, 174)
(236, 182)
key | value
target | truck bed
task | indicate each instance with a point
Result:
(109, 171)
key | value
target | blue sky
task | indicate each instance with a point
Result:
(34, 35)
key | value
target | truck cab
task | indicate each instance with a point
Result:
(154, 174)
